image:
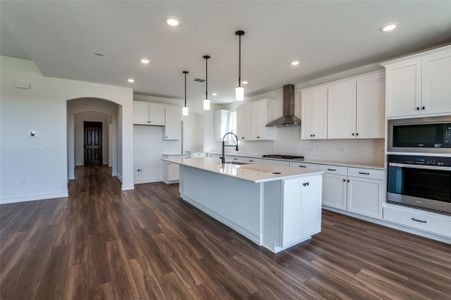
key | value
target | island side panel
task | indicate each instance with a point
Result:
(234, 202)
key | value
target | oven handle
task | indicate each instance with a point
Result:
(419, 167)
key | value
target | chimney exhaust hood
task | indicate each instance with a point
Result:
(288, 118)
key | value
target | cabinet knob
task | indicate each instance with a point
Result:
(424, 107)
(258, 137)
(357, 133)
(344, 180)
(242, 137)
(306, 184)
(353, 134)
(349, 180)
(418, 108)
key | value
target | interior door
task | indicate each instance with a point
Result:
(93, 143)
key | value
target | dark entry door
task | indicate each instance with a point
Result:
(93, 143)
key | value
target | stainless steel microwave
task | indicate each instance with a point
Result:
(420, 135)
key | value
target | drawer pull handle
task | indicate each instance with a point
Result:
(419, 221)
(306, 184)
(364, 173)
(251, 160)
(333, 170)
(301, 166)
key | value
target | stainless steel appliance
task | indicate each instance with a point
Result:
(421, 135)
(420, 181)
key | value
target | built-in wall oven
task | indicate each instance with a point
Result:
(427, 135)
(420, 181)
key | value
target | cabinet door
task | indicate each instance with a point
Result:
(307, 113)
(436, 83)
(140, 112)
(311, 194)
(370, 107)
(172, 128)
(244, 120)
(221, 123)
(173, 172)
(320, 113)
(156, 114)
(341, 110)
(259, 120)
(334, 191)
(365, 196)
(403, 88)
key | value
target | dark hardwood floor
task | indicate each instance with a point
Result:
(102, 243)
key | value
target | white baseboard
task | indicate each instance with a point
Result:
(147, 180)
(127, 187)
(35, 197)
(391, 225)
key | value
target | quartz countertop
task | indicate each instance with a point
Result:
(253, 172)
(315, 161)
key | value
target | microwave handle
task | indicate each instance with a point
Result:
(420, 166)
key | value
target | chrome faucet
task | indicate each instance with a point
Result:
(224, 145)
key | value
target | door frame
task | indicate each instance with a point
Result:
(99, 125)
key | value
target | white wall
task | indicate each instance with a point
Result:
(75, 150)
(36, 168)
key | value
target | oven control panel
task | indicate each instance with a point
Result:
(420, 160)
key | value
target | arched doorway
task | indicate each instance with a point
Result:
(81, 111)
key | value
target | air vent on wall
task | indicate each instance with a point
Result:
(199, 80)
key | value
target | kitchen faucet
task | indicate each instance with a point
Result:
(224, 145)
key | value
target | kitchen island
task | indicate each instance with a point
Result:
(274, 206)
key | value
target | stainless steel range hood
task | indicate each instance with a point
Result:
(288, 118)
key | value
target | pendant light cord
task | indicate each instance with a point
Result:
(239, 61)
(206, 78)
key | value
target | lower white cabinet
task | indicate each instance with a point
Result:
(365, 196)
(334, 191)
(171, 172)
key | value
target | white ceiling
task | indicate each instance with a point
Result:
(326, 37)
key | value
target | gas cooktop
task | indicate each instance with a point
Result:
(282, 156)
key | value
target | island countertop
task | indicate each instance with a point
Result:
(250, 172)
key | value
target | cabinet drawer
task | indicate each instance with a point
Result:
(429, 222)
(367, 173)
(307, 166)
(328, 169)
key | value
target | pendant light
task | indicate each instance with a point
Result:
(207, 101)
(185, 109)
(239, 90)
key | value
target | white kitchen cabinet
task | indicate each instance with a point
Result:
(148, 113)
(335, 190)
(436, 83)
(172, 128)
(365, 196)
(314, 113)
(370, 112)
(252, 118)
(171, 172)
(221, 123)
(403, 88)
(341, 110)
(244, 122)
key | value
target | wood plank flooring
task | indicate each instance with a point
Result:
(102, 243)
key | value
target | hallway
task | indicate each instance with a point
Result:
(102, 243)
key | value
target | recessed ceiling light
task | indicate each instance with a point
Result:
(215, 94)
(244, 82)
(172, 21)
(145, 61)
(389, 27)
(295, 62)
(131, 80)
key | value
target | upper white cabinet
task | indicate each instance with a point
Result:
(341, 110)
(370, 121)
(352, 108)
(172, 128)
(252, 118)
(148, 113)
(314, 113)
(419, 85)
(221, 123)
(403, 81)
(436, 83)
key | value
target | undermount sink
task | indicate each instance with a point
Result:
(237, 162)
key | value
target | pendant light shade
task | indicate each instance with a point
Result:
(239, 91)
(185, 109)
(206, 103)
